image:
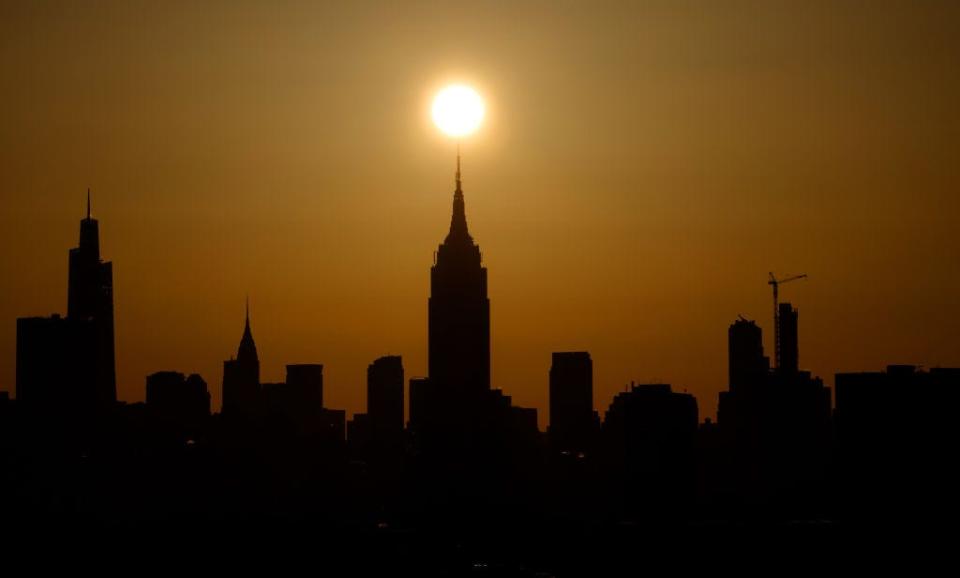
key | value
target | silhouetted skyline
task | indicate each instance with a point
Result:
(470, 463)
(641, 168)
(478, 288)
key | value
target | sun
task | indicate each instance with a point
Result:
(458, 110)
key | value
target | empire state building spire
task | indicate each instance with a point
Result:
(458, 172)
(459, 310)
(458, 222)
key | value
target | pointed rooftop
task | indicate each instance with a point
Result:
(458, 221)
(248, 349)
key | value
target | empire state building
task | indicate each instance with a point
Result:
(454, 413)
(459, 311)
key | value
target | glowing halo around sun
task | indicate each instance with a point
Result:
(457, 110)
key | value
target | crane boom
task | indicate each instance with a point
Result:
(775, 283)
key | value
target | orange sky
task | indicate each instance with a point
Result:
(641, 169)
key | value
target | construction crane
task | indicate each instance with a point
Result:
(775, 283)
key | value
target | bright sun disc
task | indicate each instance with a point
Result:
(457, 110)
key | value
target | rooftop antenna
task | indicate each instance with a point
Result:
(458, 165)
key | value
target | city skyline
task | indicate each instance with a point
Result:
(479, 288)
(707, 406)
(458, 230)
(777, 452)
(632, 189)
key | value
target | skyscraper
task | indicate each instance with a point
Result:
(455, 416)
(459, 311)
(789, 361)
(649, 441)
(69, 362)
(241, 377)
(747, 363)
(90, 296)
(307, 381)
(572, 418)
(424, 404)
(378, 434)
(776, 425)
(385, 398)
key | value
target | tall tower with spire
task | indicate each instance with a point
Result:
(90, 299)
(66, 364)
(241, 376)
(459, 311)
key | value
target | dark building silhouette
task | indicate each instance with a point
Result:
(776, 426)
(895, 431)
(241, 377)
(423, 402)
(69, 362)
(57, 363)
(307, 380)
(746, 362)
(454, 413)
(177, 399)
(523, 421)
(789, 361)
(573, 420)
(286, 410)
(298, 401)
(385, 401)
(898, 399)
(649, 440)
(517, 424)
(459, 310)
(451, 406)
(332, 425)
(358, 435)
(90, 296)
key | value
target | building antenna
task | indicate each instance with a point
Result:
(458, 165)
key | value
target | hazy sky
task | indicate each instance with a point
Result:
(642, 167)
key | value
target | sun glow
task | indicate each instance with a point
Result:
(458, 110)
